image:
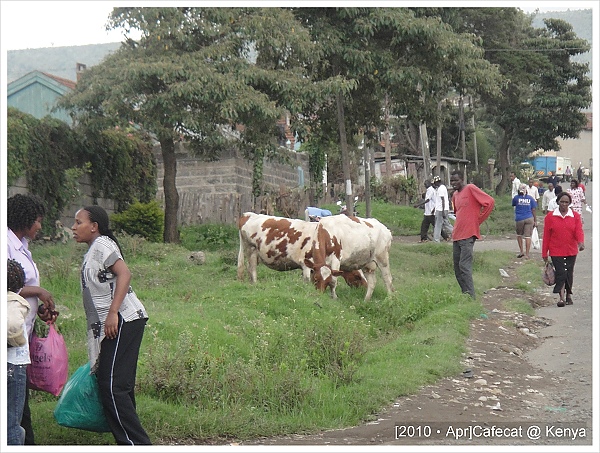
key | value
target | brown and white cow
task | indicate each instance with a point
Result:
(282, 244)
(344, 244)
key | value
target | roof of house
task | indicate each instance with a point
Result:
(66, 82)
(54, 83)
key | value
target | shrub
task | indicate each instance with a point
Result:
(141, 219)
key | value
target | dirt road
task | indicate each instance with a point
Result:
(528, 379)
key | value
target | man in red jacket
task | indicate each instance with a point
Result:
(471, 207)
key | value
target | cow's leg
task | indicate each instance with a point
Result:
(369, 272)
(241, 263)
(252, 264)
(332, 285)
(383, 263)
(387, 278)
(306, 271)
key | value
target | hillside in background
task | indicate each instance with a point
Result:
(58, 61)
(581, 20)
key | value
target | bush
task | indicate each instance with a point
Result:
(141, 219)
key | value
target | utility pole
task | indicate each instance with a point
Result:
(367, 164)
(474, 134)
(438, 141)
(461, 119)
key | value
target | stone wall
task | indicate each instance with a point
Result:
(215, 192)
(219, 191)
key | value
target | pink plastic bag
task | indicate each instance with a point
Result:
(49, 367)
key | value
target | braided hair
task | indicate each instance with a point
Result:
(98, 214)
(22, 210)
(16, 276)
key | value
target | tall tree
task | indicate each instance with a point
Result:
(543, 90)
(190, 76)
(411, 58)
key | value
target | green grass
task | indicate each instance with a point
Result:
(224, 359)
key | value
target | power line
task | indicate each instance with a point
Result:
(538, 50)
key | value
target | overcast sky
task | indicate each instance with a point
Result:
(33, 24)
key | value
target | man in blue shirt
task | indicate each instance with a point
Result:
(525, 219)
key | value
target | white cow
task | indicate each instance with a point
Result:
(344, 244)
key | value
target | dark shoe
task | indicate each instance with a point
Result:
(569, 301)
(520, 255)
(561, 303)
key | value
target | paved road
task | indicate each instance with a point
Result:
(567, 349)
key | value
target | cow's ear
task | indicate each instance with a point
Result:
(337, 273)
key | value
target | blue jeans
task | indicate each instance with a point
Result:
(16, 386)
(462, 253)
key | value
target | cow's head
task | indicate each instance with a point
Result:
(355, 279)
(323, 277)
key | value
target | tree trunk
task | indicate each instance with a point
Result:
(504, 163)
(171, 233)
(386, 139)
(344, 151)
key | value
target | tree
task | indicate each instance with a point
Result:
(543, 90)
(390, 53)
(190, 76)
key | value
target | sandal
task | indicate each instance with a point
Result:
(520, 255)
(569, 301)
(561, 303)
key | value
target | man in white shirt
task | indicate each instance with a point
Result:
(442, 209)
(429, 215)
(548, 195)
(532, 190)
(515, 185)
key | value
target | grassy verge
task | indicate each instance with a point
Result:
(224, 359)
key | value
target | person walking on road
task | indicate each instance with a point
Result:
(548, 195)
(472, 207)
(442, 209)
(525, 219)
(577, 196)
(516, 183)
(428, 203)
(563, 239)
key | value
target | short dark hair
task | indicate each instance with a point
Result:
(15, 279)
(457, 173)
(22, 210)
(564, 194)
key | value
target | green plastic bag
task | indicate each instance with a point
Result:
(79, 405)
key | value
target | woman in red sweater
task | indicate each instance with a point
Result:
(562, 240)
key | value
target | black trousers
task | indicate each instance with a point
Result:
(116, 379)
(428, 220)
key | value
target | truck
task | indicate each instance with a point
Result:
(543, 165)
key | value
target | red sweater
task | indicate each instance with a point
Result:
(471, 206)
(562, 236)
